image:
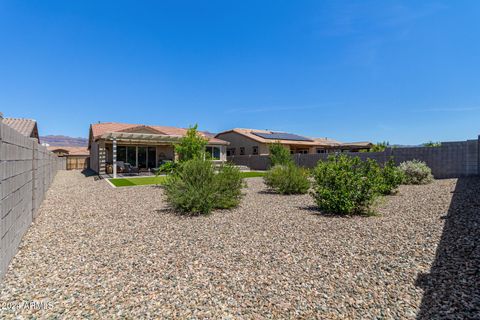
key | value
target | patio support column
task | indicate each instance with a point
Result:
(223, 153)
(102, 157)
(114, 156)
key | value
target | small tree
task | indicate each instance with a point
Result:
(279, 155)
(380, 146)
(432, 144)
(191, 146)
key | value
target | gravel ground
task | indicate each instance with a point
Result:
(98, 252)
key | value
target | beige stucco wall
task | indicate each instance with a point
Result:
(94, 156)
(237, 140)
(165, 153)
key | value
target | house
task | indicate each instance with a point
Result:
(256, 142)
(142, 146)
(77, 158)
(26, 127)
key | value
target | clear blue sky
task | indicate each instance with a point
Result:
(402, 71)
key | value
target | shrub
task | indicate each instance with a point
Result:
(432, 144)
(287, 179)
(195, 188)
(392, 178)
(380, 146)
(279, 155)
(166, 168)
(346, 185)
(229, 183)
(191, 146)
(416, 172)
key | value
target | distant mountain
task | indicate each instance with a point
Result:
(64, 141)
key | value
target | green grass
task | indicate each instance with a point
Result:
(253, 174)
(144, 181)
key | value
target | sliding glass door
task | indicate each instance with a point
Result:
(147, 156)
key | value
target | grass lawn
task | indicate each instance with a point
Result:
(143, 181)
(127, 182)
(253, 174)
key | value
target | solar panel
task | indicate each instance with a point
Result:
(281, 136)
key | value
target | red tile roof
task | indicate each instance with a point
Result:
(74, 151)
(26, 127)
(98, 129)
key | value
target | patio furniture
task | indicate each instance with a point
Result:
(129, 169)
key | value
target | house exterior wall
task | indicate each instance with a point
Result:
(94, 156)
(237, 141)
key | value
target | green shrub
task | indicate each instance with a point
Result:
(191, 146)
(392, 176)
(432, 144)
(346, 185)
(287, 179)
(166, 168)
(195, 188)
(229, 183)
(416, 172)
(279, 155)
(380, 146)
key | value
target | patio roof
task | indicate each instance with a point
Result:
(140, 136)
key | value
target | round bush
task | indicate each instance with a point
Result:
(392, 176)
(416, 172)
(195, 188)
(346, 185)
(287, 179)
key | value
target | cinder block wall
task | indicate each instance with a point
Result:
(26, 171)
(450, 160)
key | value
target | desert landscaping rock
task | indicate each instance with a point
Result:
(99, 252)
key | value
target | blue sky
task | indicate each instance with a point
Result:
(402, 71)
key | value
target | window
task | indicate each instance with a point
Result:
(152, 157)
(230, 152)
(242, 151)
(122, 153)
(132, 156)
(321, 150)
(255, 150)
(214, 152)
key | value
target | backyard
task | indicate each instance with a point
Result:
(96, 251)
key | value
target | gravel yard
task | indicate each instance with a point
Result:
(100, 252)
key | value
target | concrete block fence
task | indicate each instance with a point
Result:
(450, 160)
(26, 171)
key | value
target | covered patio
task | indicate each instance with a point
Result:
(145, 151)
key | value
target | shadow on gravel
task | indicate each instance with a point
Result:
(89, 173)
(452, 288)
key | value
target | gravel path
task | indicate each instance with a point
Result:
(99, 252)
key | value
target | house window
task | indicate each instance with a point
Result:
(230, 152)
(214, 152)
(321, 150)
(255, 150)
(122, 153)
(242, 151)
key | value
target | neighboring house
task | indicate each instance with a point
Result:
(77, 158)
(142, 146)
(26, 127)
(256, 142)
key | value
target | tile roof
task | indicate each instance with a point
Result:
(250, 134)
(74, 151)
(98, 129)
(25, 126)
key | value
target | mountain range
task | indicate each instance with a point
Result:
(64, 141)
